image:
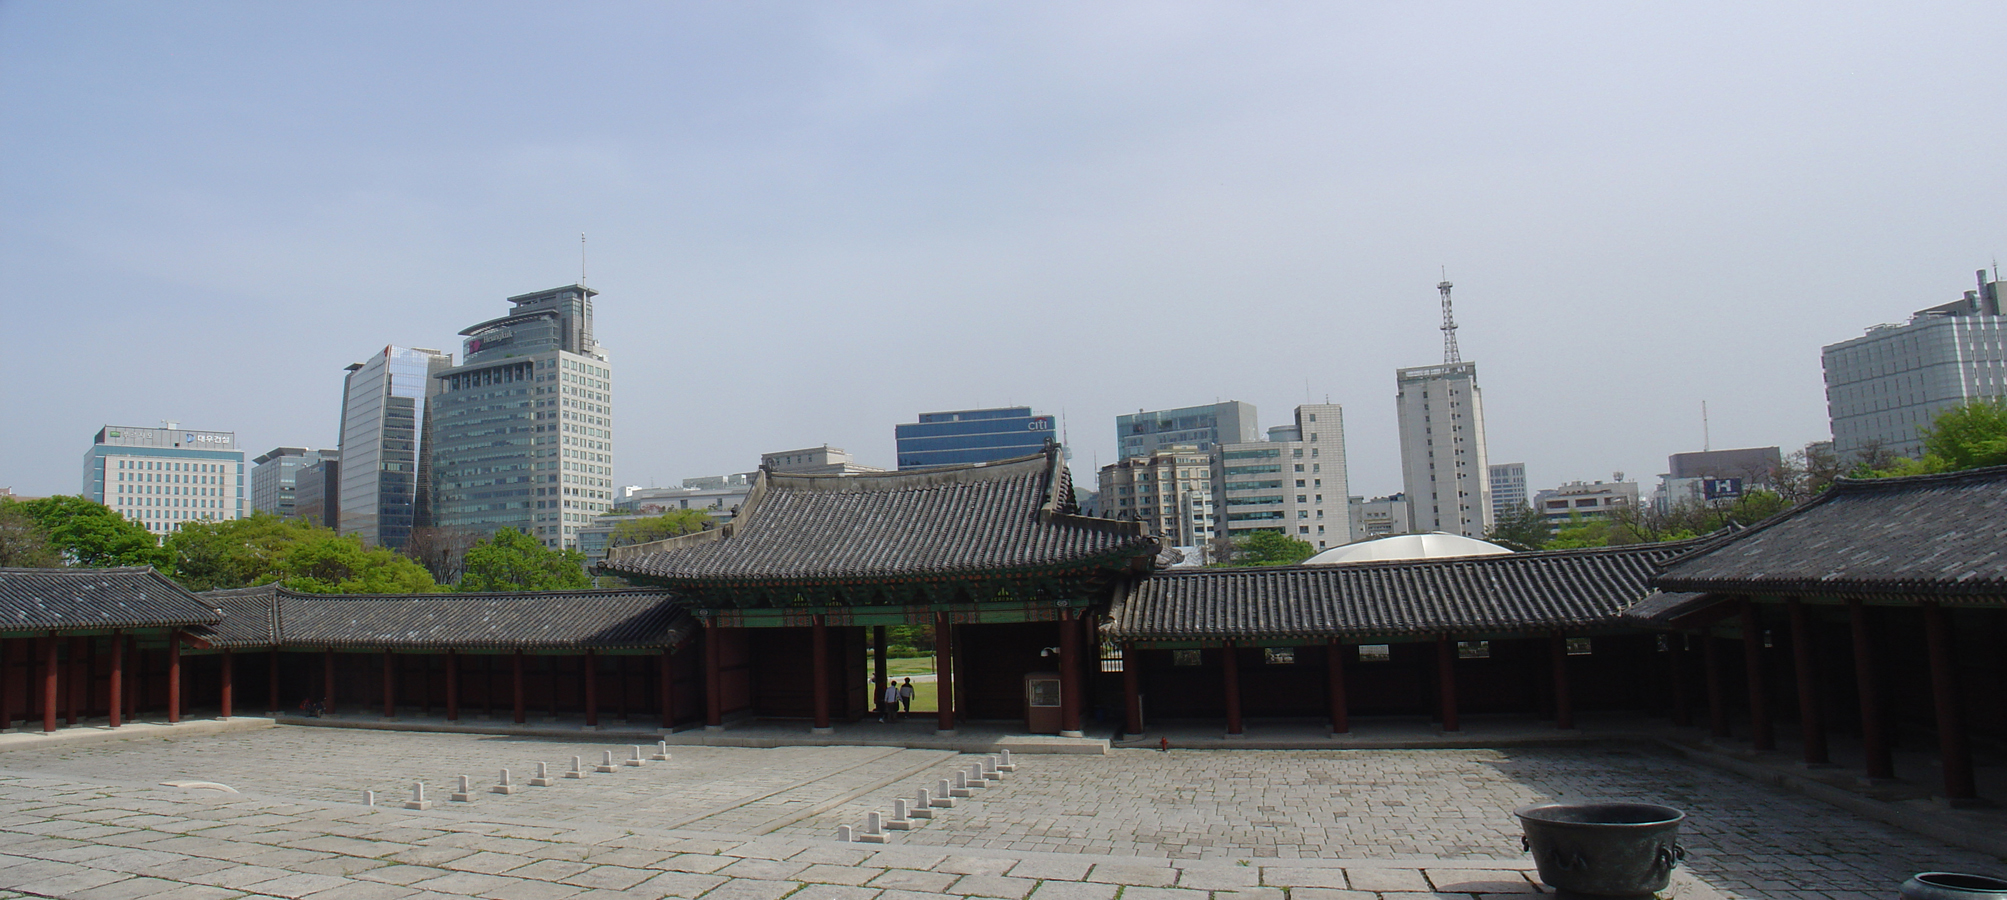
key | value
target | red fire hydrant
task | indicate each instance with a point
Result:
(1163, 745)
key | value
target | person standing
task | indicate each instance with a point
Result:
(891, 702)
(906, 696)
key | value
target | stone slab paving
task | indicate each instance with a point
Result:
(88, 822)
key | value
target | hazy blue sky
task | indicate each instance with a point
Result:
(811, 221)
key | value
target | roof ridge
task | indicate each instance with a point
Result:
(1897, 482)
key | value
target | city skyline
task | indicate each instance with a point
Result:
(852, 216)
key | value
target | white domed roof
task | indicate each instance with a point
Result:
(1407, 546)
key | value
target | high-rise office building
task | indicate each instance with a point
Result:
(1508, 488)
(386, 445)
(524, 435)
(1171, 490)
(1139, 435)
(163, 477)
(1294, 482)
(1884, 387)
(317, 490)
(274, 477)
(1442, 449)
(959, 437)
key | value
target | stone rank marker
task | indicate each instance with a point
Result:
(606, 764)
(418, 800)
(661, 751)
(577, 769)
(634, 760)
(465, 794)
(543, 777)
(505, 786)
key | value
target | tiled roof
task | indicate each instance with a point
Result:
(1921, 537)
(1666, 609)
(561, 620)
(1519, 592)
(70, 599)
(1009, 516)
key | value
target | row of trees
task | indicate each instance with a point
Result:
(302, 556)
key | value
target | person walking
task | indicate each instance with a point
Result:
(891, 702)
(906, 696)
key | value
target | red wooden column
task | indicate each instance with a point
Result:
(174, 678)
(452, 685)
(714, 694)
(1682, 709)
(327, 680)
(272, 681)
(516, 685)
(591, 664)
(668, 676)
(228, 689)
(1954, 753)
(115, 690)
(389, 684)
(944, 674)
(1132, 689)
(1069, 674)
(819, 634)
(1564, 702)
(78, 677)
(1341, 705)
(1446, 676)
(1762, 735)
(1717, 703)
(49, 683)
(1874, 736)
(1230, 666)
(1811, 719)
(7, 686)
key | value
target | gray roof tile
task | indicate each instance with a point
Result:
(558, 620)
(75, 599)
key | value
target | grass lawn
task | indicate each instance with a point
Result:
(918, 665)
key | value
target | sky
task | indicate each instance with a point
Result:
(809, 222)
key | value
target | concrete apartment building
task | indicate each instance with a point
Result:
(959, 437)
(275, 477)
(1584, 500)
(1170, 491)
(1713, 476)
(162, 477)
(1883, 387)
(823, 460)
(1294, 482)
(1508, 488)
(1139, 435)
(386, 445)
(1443, 468)
(524, 435)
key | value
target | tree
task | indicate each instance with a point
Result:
(655, 528)
(1580, 532)
(513, 561)
(327, 563)
(1521, 528)
(235, 553)
(23, 543)
(442, 551)
(1805, 474)
(1270, 548)
(1967, 437)
(93, 535)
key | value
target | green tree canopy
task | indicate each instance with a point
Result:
(1522, 528)
(513, 561)
(1967, 437)
(1270, 548)
(236, 553)
(23, 543)
(326, 563)
(90, 534)
(1580, 532)
(655, 528)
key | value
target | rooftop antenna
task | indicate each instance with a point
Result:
(1450, 355)
(1706, 441)
(581, 259)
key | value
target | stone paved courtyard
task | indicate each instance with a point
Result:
(752, 824)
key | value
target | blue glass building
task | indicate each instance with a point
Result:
(971, 436)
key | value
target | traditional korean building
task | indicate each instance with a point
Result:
(1849, 612)
(994, 555)
(88, 643)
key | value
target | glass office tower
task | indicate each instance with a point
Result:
(971, 436)
(385, 445)
(525, 423)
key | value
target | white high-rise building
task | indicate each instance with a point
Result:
(1442, 449)
(1508, 488)
(1171, 490)
(1294, 482)
(523, 430)
(163, 477)
(1884, 387)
